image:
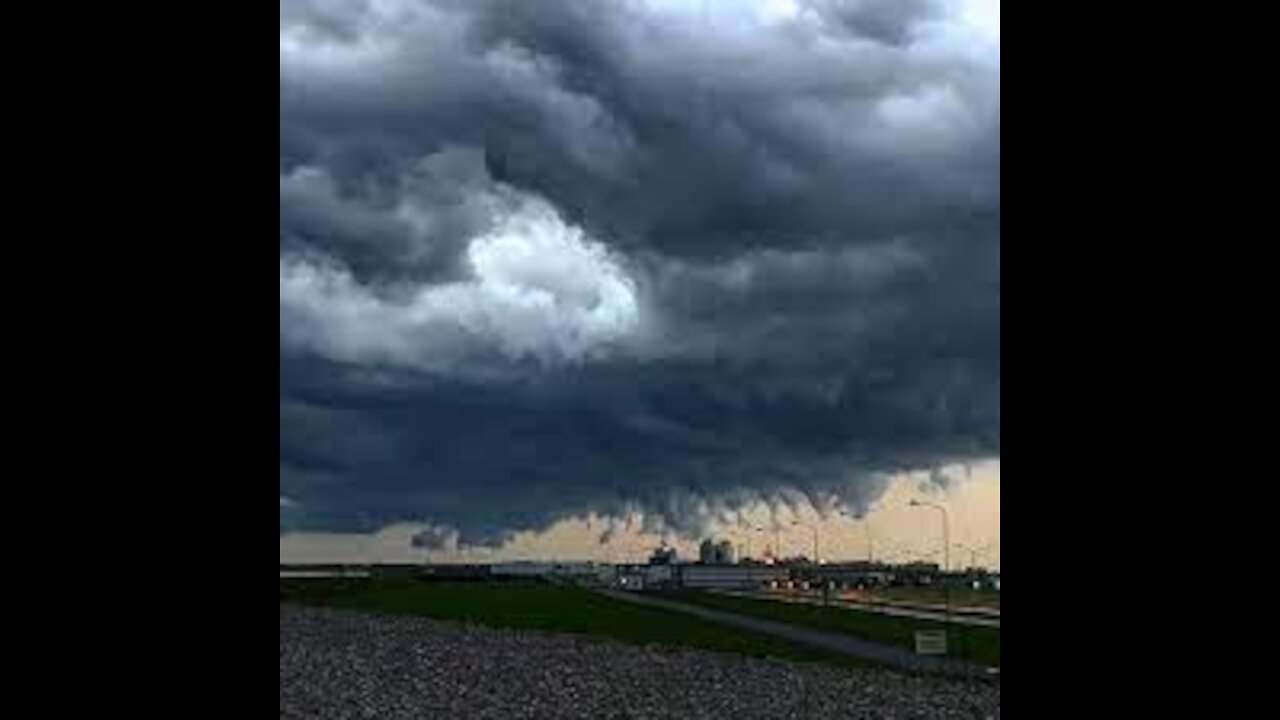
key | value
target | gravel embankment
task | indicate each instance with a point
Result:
(348, 665)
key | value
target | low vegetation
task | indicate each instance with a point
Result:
(540, 606)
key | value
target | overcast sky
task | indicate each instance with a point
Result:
(633, 267)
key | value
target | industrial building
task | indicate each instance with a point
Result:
(664, 555)
(645, 577)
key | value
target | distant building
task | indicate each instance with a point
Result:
(664, 555)
(725, 553)
(456, 571)
(732, 577)
(521, 568)
(707, 552)
(660, 575)
(850, 574)
(583, 571)
(918, 573)
(717, 553)
(630, 578)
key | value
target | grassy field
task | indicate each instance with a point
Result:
(975, 643)
(541, 606)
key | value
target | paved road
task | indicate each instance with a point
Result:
(957, 618)
(891, 655)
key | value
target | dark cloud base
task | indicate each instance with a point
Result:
(808, 217)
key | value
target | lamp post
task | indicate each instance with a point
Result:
(814, 529)
(748, 531)
(751, 530)
(946, 553)
(866, 525)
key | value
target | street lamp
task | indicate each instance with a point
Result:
(866, 525)
(749, 532)
(946, 552)
(759, 529)
(814, 528)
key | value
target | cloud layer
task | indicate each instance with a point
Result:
(559, 258)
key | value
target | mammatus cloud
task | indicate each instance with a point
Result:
(631, 260)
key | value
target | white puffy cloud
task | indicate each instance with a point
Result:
(983, 15)
(539, 289)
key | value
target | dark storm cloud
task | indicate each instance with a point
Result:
(667, 134)
(555, 258)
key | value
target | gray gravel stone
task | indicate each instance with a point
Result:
(351, 665)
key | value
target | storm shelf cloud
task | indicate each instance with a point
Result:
(631, 259)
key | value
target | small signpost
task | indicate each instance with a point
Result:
(931, 642)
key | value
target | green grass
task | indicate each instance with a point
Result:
(542, 606)
(980, 644)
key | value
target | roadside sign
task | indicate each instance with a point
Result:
(931, 642)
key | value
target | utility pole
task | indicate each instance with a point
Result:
(946, 556)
